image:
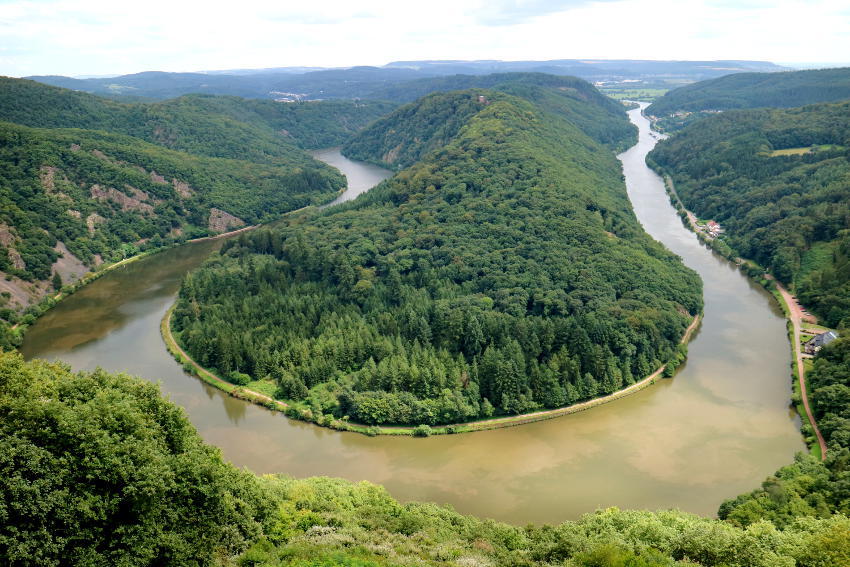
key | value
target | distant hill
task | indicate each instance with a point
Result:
(257, 130)
(777, 180)
(756, 90)
(368, 82)
(401, 139)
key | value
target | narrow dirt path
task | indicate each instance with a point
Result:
(796, 315)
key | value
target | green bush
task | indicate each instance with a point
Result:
(422, 431)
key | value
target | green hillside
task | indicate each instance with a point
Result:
(777, 180)
(756, 90)
(262, 131)
(85, 180)
(74, 199)
(502, 273)
(751, 90)
(596, 114)
(99, 469)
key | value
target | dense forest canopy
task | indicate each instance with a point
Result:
(502, 272)
(788, 210)
(403, 138)
(756, 90)
(99, 469)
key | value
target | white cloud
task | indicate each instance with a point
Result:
(75, 37)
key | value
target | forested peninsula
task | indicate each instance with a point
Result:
(502, 272)
(777, 181)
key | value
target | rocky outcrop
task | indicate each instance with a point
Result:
(7, 235)
(69, 267)
(8, 239)
(47, 175)
(100, 155)
(157, 178)
(391, 156)
(182, 188)
(127, 202)
(92, 221)
(222, 221)
(16, 259)
(138, 193)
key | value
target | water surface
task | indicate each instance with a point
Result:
(715, 430)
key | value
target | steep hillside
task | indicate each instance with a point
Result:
(777, 180)
(753, 90)
(502, 273)
(72, 199)
(99, 469)
(596, 114)
(401, 139)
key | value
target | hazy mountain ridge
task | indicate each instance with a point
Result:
(366, 81)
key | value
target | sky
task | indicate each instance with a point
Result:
(103, 37)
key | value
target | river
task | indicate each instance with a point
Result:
(715, 430)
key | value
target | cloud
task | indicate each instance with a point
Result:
(97, 37)
(510, 12)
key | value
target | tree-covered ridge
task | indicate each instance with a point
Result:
(100, 469)
(106, 196)
(403, 138)
(756, 90)
(596, 114)
(262, 131)
(788, 211)
(504, 273)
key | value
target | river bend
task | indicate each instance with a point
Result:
(715, 430)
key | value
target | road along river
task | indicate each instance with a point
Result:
(715, 430)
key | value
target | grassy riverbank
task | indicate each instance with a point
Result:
(301, 412)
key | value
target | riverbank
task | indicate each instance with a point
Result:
(788, 302)
(190, 366)
(33, 312)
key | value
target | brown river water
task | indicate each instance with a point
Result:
(713, 431)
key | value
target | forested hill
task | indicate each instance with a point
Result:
(72, 199)
(262, 131)
(777, 180)
(596, 114)
(756, 90)
(86, 180)
(503, 273)
(100, 469)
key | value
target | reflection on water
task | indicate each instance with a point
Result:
(715, 430)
